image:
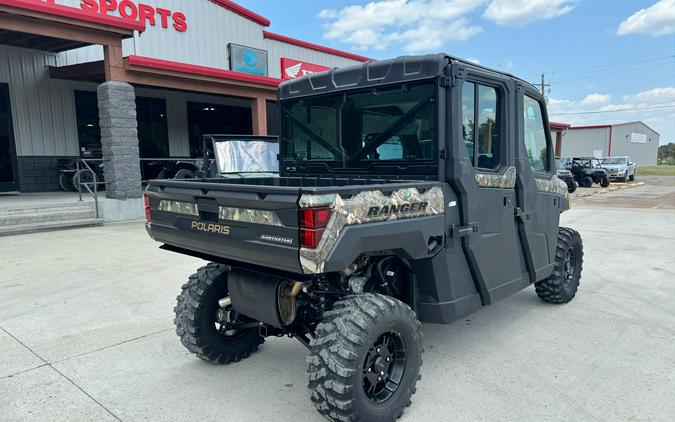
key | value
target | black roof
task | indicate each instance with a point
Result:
(400, 69)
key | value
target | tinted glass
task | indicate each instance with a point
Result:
(273, 118)
(382, 124)
(88, 130)
(469, 116)
(488, 134)
(535, 135)
(153, 135)
(6, 168)
(216, 119)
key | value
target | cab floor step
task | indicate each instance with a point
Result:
(49, 225)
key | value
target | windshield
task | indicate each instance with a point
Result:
(559, 165)
(246, 156)
(615, 160)
(358, 128)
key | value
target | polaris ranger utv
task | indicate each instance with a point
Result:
(411, 190)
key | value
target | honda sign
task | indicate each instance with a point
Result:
(292, 69)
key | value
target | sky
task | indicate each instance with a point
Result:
(596, 55)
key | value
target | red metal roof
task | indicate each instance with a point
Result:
(202, 70)
(316, 47)
(74, 13)
(556, 125)
(242, 11)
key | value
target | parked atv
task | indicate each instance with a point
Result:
(587, 171)
(381, 218)
(72, 180)
(565, 175)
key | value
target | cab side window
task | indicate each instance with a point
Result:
(535, 135)
(480, 125)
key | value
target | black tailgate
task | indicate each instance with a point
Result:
(248, 223)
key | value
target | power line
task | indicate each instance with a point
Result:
(611, 111)
(640, 84)
(607, 72)
(632, 62)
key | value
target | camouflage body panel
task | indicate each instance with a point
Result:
(365, 207)
(554, 185)
(501, 181)
(178, 207)
(247, 215)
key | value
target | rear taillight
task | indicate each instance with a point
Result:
(313, 222)
(146, 201)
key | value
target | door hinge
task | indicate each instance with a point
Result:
(523, 216)
(445, 81)
(457, 232)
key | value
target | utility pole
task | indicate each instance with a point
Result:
(542, 85)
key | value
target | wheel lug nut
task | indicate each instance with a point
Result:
(382, 373)
(379, 378)
(370, 370)
(378, 350)
(388, 359)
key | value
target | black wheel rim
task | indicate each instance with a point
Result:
(569, 267)
(384, 367)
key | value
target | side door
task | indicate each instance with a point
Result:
(538, 204)
(486, 182)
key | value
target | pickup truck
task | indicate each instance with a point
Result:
(418, 189)
(621, 169)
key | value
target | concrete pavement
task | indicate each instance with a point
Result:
(86, 334)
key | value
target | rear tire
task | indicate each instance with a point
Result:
(196, 317)
(184, 174)
(365, 359)
(586, 182)
(66, 182)
(562, 285)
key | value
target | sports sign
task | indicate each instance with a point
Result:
(293, 69)
(143, 13)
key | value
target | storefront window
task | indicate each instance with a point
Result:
(273, 118)
(88, 130)
(216, 119)
(153, 135)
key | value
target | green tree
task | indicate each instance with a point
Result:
(667, 153)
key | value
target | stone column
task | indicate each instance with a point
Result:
(119, 139)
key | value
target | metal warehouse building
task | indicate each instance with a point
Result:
(133, 81)
(633, 139)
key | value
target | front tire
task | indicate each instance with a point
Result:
(197, 319)
(586, 182)
(572, 188)
(562, 285)
(365, 359)
(604, 182)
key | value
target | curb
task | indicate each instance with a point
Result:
(611, 188)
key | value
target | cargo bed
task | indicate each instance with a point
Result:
(249, 220)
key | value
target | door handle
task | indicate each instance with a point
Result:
(522, 215)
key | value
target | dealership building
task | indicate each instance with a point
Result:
(130, 81)
(633, 139)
